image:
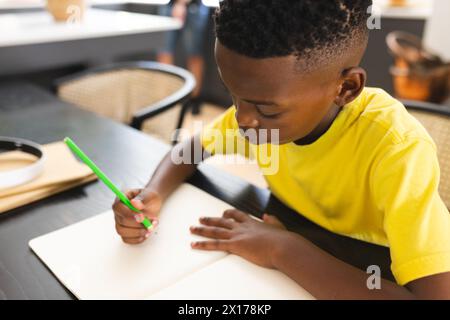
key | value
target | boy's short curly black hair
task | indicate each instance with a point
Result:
(305, 28)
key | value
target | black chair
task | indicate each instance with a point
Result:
(130, 92)
(436, 119)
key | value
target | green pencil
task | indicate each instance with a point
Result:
(102, 176)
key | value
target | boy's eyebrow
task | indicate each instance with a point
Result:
(261, 103)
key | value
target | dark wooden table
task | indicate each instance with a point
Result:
(128, 156)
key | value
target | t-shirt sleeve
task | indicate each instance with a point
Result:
(405, 185)
(221, 136)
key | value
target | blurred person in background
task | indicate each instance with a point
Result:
(194, 16)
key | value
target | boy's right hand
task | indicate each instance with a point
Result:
(128, 222)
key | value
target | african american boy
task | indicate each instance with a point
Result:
(349, 158)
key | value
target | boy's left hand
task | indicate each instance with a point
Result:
(236, 232)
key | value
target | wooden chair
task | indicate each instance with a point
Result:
(436, 119)
(131, 93)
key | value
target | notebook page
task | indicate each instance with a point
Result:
(91, 260)
(234, 278)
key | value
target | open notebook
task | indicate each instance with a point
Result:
(91, 260)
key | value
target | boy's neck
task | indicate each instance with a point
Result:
(323, 127)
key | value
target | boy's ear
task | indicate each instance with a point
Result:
(353, 81)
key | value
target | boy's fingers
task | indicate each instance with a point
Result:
(222, 245)
(217, 222)
(129, 223)
(123, 213)
(132, 193)
(127, 232)
(155, 222)
(138, 204)
(237, 215)
(211, 232)
(133, 240)
(121, 209)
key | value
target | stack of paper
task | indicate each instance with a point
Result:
(62, 171)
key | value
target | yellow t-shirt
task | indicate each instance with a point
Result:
(372, 176)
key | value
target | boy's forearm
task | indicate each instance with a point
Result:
(169, 175)
(327, 277)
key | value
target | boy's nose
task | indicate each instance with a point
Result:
(246, 118)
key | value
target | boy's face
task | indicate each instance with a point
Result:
(272, 93)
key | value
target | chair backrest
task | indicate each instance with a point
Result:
(118, 94)
(438, 126)
(132, 93)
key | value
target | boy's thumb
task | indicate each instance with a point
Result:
(137, 202)
(147, 200)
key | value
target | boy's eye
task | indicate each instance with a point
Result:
(266, 115)
(270, 116)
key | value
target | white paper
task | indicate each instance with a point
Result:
(91, 260)
(234, 278)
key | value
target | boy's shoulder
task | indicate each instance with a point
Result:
(387, 118)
